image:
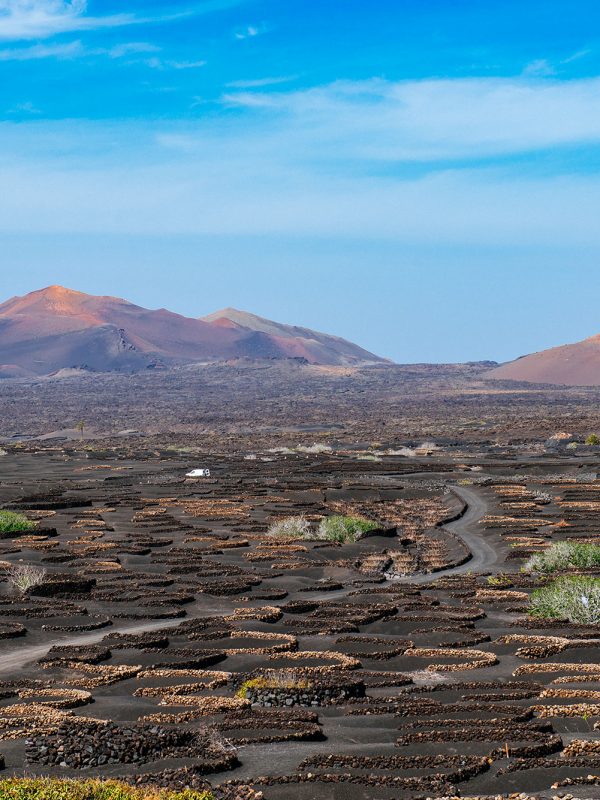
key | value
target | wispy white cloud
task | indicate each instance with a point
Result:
(540, 67)
(39, 51)
(128, 49)
(433, 119)
(73, 50)
(222, 193)
(33, 19)
(38, 19)
(577, 55)
(327, 162)
(251, 31)
(544, 67)
(76, 49)
(260, 83)
(249, 100)
(166, 64)
(185, 64)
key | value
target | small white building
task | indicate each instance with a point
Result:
(198, 473)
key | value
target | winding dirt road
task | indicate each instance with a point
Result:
(483, 557)
(12, 662)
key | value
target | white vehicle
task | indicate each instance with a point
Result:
(198, 473)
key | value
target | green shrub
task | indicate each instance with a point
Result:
(249, 686)
(291, 528)
(564, 555)
(499, 580)
(333, 529)
(593, 438)
(50, 789)
(575, 598)
(344, 529)
(9, 522)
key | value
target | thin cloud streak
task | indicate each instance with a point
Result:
(39, 19)
(431, 120)
(543, 67)
(260, 83)
(40, 51)
(76, 49)
(36, 19)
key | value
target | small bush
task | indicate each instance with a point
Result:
(277, 679)
(49, 789)
(23, 577)
(593, 438)
(314, 449)
(344, 529)
(564, 555)
(290, 528)
(575, 598)
(286, 679)
(499, 580)
(9, 522)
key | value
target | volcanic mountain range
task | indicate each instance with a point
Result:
(56, 328)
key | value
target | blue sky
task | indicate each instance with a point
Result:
(421, 177)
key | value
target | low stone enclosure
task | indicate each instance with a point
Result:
(290, 688)
(172, 641)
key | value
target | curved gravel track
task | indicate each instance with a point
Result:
(13, 661)
(483, 557)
